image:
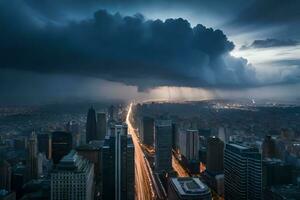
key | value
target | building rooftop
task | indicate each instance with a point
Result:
(189, 186)
(73, 162)
(242, 148)
(163, 122)
(92, 146)
(289, 192)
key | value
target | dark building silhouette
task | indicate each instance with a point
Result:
(5, 175)
(32, 160)
(93, 153)
(163, 145)
(73, 128)
(276, 172)
(269, 147)
(215, 155)
(118, 165)
(242, 173)
(91, 125)
(44, 143)
(147, 131)
(61, 145)
(101, 126)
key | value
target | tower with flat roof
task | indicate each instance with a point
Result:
(73, 178)
(91, 125)
(118, 165)
(242, 173)
(163, 145)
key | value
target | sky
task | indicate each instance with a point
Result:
(57, 50)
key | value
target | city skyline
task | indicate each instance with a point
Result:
(149, 100)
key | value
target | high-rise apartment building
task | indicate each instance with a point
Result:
(242, 173)
(118, 165)
(163, 145)
(73, 178)
(91, 125)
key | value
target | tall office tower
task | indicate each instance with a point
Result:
(101, 126)
(112, 113)
(242, 173)
(5, 175)
(148, 131)
(215, 155)
(276, 172)
(32, 156)
(188, 188)
(175, 136)
(91, 125)
(189, 144)
(92, 152)
(61, 145)
(73, 178)
(73, 128)
(269, 147)
(44, 144)
(118, 165)
(163, 145)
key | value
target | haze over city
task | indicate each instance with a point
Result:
(149, 100)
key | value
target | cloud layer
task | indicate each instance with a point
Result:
(129, 49)
(269, 43)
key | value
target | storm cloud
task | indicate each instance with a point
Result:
(127, 49)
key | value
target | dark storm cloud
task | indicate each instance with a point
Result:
(270, 12)
(280, 18)
(128, 49)
(267, 43)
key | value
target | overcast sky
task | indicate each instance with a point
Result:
(54, 50)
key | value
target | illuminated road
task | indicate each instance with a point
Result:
(143, 183)
(178, 168)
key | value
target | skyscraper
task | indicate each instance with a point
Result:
(118, 165)
(147, 131)
(91, 125)
(101, 126)
(44, 143)
(5, 175)
(269, 147)
(242, 173)
(163, 145)
(61, 145)
(73, 178)
(92, 152)
(189, 144)
(73, 128)
(215, 155)
(32, 156)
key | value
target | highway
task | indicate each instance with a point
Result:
(178, 168)
(143, 176)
